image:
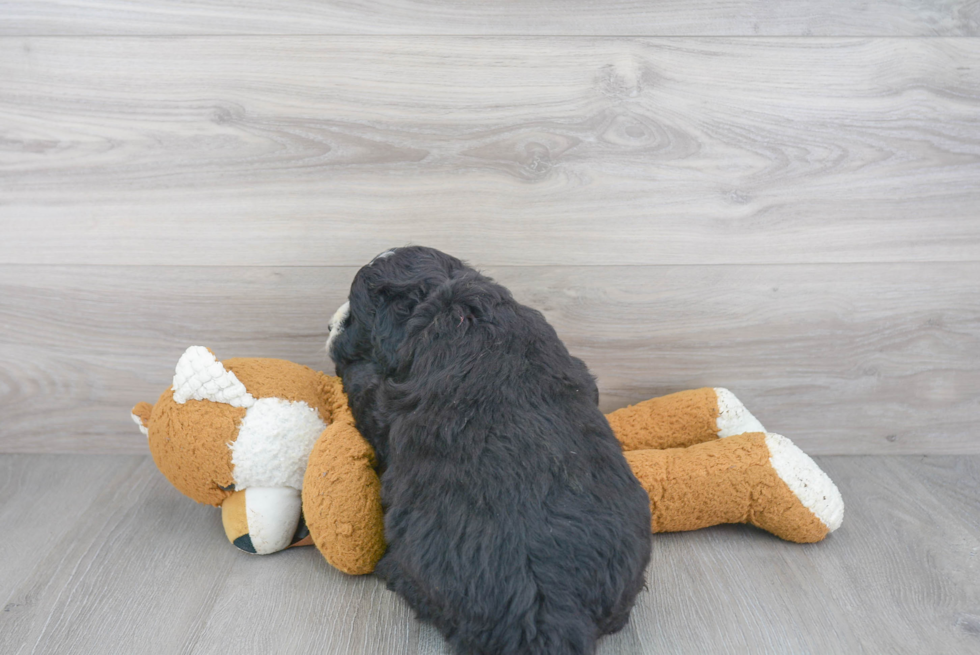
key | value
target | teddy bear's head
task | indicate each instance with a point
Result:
(248, 424)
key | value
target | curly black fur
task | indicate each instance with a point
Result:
(514, 524)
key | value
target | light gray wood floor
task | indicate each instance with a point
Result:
(100, 555)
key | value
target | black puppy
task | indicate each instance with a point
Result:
(514, 524)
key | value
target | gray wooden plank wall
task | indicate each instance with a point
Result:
(541, 17)
(780, 201)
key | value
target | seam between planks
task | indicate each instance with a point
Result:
(301, 35)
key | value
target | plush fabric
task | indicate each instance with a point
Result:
(676, 446)
(246, 425)
(342, 500)
(274, 441)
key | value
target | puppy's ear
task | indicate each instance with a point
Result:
(445, 325)
(396, 305)
(468, 298)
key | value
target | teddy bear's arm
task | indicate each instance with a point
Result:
(342, 500)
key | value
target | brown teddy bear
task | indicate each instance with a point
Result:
(273, 443)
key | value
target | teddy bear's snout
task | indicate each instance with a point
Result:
(263, 520)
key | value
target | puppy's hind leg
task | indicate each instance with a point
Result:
(565, 633)
(406, 586)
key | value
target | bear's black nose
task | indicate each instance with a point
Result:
(244, 542)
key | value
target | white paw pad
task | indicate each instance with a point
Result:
(733, 418)
(806, 480)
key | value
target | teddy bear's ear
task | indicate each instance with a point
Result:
(141, 416)
(200, 376)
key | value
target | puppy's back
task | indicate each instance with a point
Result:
(514, 522)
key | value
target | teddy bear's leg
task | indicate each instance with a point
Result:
(262, 520)
(682, 419)
(758, 478)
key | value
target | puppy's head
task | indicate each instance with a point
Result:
(384, 297)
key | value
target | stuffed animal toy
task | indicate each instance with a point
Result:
(237, 435)
(274, 444)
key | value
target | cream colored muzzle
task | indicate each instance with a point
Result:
(263, 520)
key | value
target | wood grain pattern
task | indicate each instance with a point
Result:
(143, 569)
(39, 506)
(132, 566)
(548, 17)
(860, 358)
(312, 151)
(898, 577)
(689, 201)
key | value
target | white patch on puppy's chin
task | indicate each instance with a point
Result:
(337, 323)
